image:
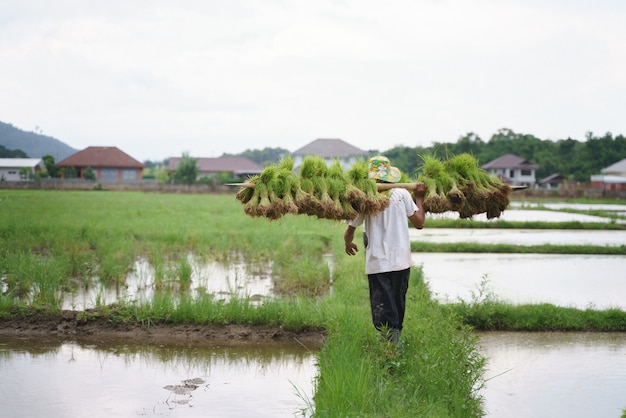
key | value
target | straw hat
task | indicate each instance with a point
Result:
(380, 168)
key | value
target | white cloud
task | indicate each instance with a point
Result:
(159, 78)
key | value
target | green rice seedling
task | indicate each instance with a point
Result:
(364, 196)
(309, 170)
(459, 184)
(438, 183)
(337, 186)
(354, 194)
(245, 194)
(18, 282)
(285, 190)
(308, 276)
(265, 204)
(184, 273)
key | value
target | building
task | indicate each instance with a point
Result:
(612, 179)
(109, 164)
(551, 182)
(19, 169)
(330, 150)
(513, 170)
(237, 167)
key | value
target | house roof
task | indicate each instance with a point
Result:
(237, 165)
(554, 178)
(617, 168)
(330, 148)
(100, 157)
(509, 161)
(20, 162)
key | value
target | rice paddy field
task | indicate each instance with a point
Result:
(58, 242)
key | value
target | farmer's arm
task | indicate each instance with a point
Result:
(418, 217)
(348, 238)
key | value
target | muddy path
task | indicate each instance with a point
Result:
(69, 326)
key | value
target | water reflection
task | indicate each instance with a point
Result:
(577, 206)
(532, 215)
(520, 236)
(223, 281)
(554, 374)
(98, 379)
(579, 281)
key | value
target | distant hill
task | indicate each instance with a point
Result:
(33, 144)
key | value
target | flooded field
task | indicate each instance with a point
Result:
(520, 236)
(574, 375)
(579, 281)
(104, 379)
(534, 215)
(223, 281)
(529, 374)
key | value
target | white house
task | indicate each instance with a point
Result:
(613, 177)
(330, 150)
(513, 170)
(19, 169)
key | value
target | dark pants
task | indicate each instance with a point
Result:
(388, 298)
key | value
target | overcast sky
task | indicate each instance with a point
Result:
(160, 78)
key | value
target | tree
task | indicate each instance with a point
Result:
(89, 174)
(52, 169)
(262, 157)
(186, 171)
(11, 153)
(26, 173)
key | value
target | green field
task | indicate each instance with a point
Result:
(52, 240)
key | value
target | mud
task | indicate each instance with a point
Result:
(69, 325)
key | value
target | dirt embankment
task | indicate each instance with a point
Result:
(69, 326)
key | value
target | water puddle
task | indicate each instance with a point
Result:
(580, 281)
(577, 206)
(223, 281)
(554, 374)
(528, 375)
(519, 236)
(70, 379)
(533, 215)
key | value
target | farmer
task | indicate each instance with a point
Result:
(388, 249)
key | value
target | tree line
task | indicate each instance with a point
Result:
(575, 160)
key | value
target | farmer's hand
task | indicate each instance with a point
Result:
(348, 239)
(420, 191)
(351, 248)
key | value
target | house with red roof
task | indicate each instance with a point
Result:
(513, 170)
(109, 164)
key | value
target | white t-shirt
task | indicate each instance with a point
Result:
(389, 246)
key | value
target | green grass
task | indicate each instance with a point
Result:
(51, 240)
(487, 313)
(54, 239)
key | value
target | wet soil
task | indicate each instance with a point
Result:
(70, 325)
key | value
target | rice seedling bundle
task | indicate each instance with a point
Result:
(326, 192)
(459, 184)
